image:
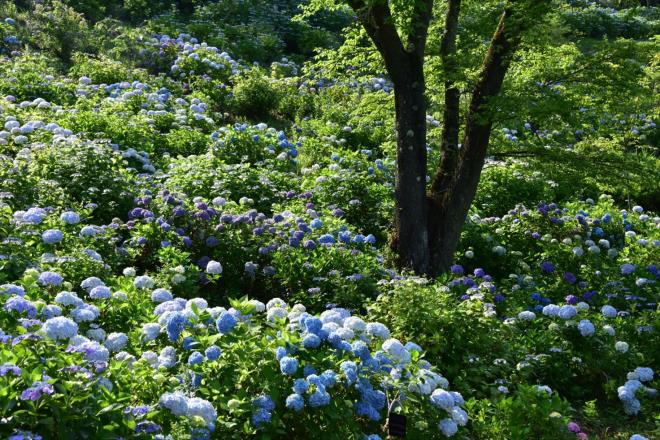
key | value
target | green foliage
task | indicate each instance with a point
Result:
(254, 96)
(68, 175)
(527, 413)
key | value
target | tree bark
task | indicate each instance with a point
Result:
(411, 238)
(405, 65)
(455, 184)
(451, 113)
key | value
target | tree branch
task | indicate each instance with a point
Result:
(451, 115)
(377, 21)
(417, 38)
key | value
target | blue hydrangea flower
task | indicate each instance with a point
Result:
(260, 417)
(567, 312)
(326, 239)
(202, 408)
(116, 341)
(311, 341)
(100, 292)
(448, 427)
(21, 305)
(70, 217)
(52, 236)
(226, 323)
(60, 328)
(175, 325)
(214, 268)
(161, 295)
(9, 368)
(12, 289)
(176, 402)
(295, 402)
(288, 365)
(300, 386)
(265, 402)
(195, 358)
(50, 279)
(319, 398)
(213, 352)
(442, 399)
(361, 350)
(349, 368)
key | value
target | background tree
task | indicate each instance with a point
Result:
(428, 220)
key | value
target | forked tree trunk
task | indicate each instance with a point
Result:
(428, 226)
(455, 185)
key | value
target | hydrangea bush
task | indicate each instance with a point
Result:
(159, 198)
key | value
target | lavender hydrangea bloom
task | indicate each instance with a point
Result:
(36, 390)
(21, 305)
(9, 368)
(176, 402)
(52, 236)
(60, 328)
(50, 279)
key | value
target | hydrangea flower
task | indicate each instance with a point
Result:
(60, 328)
(586, 328)
(176, 402)
(195, 358)
(70, 217)
(621, 346)
(395, 348)
(21, 305)
(52, 236)
(378, 330)
(12, 289)
(150, 331)
(567, 312)
(116, 341)
(161, 295)
(175, 325)
(608, 311)
(448, 427)
(442, 399)
(295, 402)
(36, 390)
(288, 365)
(202, 408)
(50, 279)
(100, 292)
(627, 269)
(226, 323)
(214, 268)
(213, 352)
(144, 282)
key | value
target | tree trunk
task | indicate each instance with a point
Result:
(410, 239)
(405, 65)
(455, 185)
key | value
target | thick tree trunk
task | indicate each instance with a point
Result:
(410, 236)
(455, 185)
(405, 65)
